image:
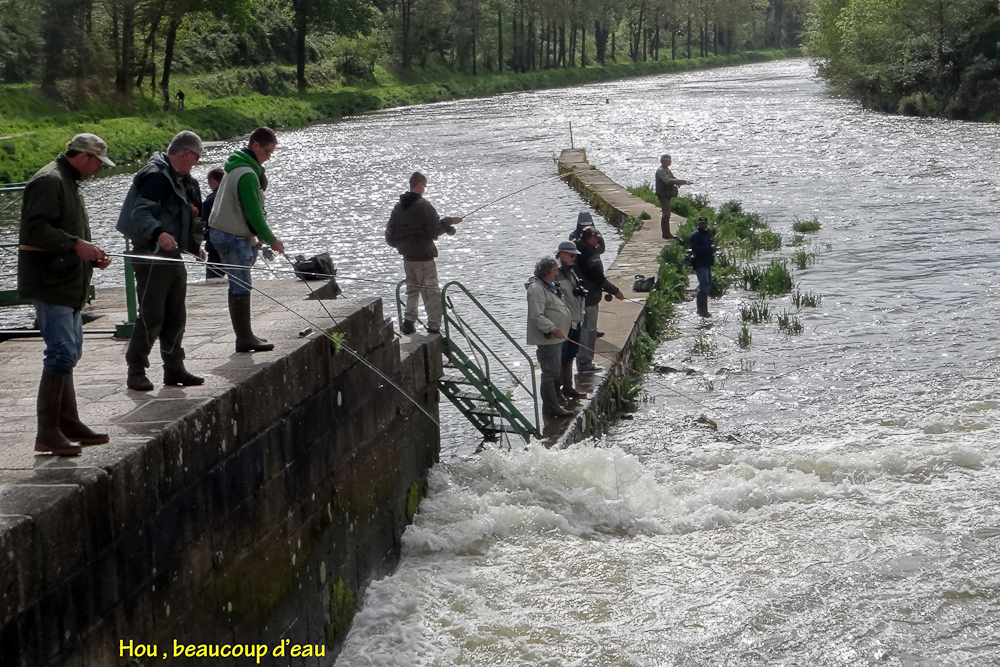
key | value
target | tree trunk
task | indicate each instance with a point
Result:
(601, 42)
(474, 73)
(572, 45)
(689, 39)
(405, 8)
(583, 45)
(168, 52)
(301, 26)
(144, 61)
(499, 41)
(123, 80)
(530, 41)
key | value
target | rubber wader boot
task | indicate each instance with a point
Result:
(239, 313)
(49, 439)
(178, 375)
(69, 419)
(703, 305)
(550, 401)
(137, 379)
(566, 382)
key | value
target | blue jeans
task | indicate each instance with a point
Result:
(235, 250)
(704, 274)
(62, 331)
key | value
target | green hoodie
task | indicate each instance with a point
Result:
(249, 192)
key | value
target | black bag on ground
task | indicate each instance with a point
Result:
(644, 284)
(317, 267)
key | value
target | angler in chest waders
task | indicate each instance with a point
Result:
(55, 263)
(160, 217)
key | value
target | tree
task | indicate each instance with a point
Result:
(345, 17)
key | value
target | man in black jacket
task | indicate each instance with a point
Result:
(591, 270)
(702, 259)
(412, 229)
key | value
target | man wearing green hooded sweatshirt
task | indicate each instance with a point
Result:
(237, 220)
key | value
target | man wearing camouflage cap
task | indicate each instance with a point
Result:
(54, 266)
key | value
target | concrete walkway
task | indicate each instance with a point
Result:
(621, 321)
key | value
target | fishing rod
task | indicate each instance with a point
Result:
(517, 192)
(337, 344)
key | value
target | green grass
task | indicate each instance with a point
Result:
(806, 299)
(755, 312)
(775, 279)
(704, 347)
(806, 225)
(789, 323)
(798, 240)
(801, 259)
(744, 339)
(218, 108)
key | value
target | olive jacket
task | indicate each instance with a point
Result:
(547, 311)
(53, 219)
(413, 227)
(666, 184)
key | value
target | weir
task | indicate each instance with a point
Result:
(621, 321)
(250, 510)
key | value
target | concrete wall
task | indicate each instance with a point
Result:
(234, 520)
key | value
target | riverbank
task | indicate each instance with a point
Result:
(134, 130)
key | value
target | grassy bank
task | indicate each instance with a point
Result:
(135, 127)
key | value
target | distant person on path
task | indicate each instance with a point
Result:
(212, 274)
(55, 263)
(159, 215)
(702, 259)
(413, 227)
(573, 293)
(548, 320)
(667, 187)
(237, 221)
(591, 270)
(180, 100)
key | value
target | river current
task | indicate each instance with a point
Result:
(846, 509)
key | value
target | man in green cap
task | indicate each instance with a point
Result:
(54, 266)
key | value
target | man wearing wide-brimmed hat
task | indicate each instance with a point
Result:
(54, 266)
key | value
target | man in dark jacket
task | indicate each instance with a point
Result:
(412, 229)
(55, 264)
(573, 295)
(591, 270)
(667, 187)
(158, 216)
(212, 274)
(702, 259)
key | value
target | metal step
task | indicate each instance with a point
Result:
(455, 378)
(501, 428)
(486, 412)
(471, 396)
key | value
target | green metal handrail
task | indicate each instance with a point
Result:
(448, 306)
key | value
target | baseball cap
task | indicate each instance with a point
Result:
(92, 145)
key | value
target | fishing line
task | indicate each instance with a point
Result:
(16, 199)
(312, 324)
(517, 192)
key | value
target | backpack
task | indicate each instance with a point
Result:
(644, 284)
(317, 267)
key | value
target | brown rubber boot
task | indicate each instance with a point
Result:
(239, 313)
(69, 419)
(566, 382)
(49, 439)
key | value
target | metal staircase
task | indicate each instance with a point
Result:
(468, 381)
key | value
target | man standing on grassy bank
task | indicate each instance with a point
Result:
(237, 220)
(158, 216)
(702, 260)
(667, 187)
(413, 227)
(54, 265)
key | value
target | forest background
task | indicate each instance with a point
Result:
(114, 67)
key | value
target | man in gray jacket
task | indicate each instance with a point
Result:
(667, 187)
(412, 229)
(158, 216)
(548, 320)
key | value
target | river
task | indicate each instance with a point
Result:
(846, 510)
